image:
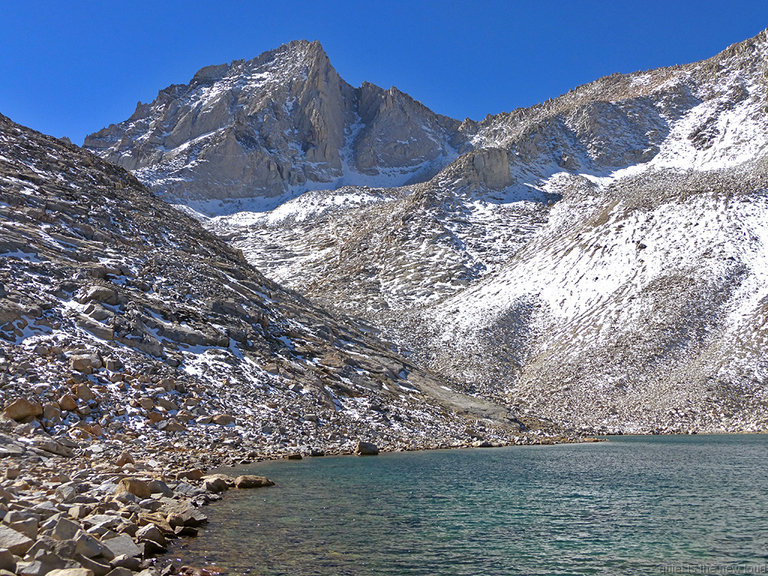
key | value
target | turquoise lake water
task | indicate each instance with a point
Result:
(633, 505)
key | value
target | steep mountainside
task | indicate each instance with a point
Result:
(271, 127)
(129, 323)
(375, 253)
(639, 306)
(598, 258)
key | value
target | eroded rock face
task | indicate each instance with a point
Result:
(280, 123)
(488, 168)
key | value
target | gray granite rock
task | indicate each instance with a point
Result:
(98, 568)
(7, 560)
(14, 541)
(65, 529)
(121, 545)
(88, 546)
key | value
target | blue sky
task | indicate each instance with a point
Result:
(71, 68)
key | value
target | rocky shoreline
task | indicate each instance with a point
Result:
(75, 514)
(109, 507)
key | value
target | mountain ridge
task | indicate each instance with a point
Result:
(535, 240)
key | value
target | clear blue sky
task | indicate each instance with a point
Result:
(69, 68)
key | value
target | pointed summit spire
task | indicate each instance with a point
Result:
(277, 124)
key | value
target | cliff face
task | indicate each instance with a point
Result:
(277, 125)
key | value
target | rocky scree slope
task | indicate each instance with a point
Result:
(597, 258)
(269, 128)
(137, 349)
(382, 254)
(130, 325)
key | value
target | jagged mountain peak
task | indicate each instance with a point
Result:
(289, 58)
(273, 127)
(290, 62)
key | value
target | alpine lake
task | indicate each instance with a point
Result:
(631, 505)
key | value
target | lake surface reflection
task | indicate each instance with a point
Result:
(633, 505)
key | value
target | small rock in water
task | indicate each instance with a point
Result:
(249, 481)
(215, 484)
(151, 532)
(482, 444)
